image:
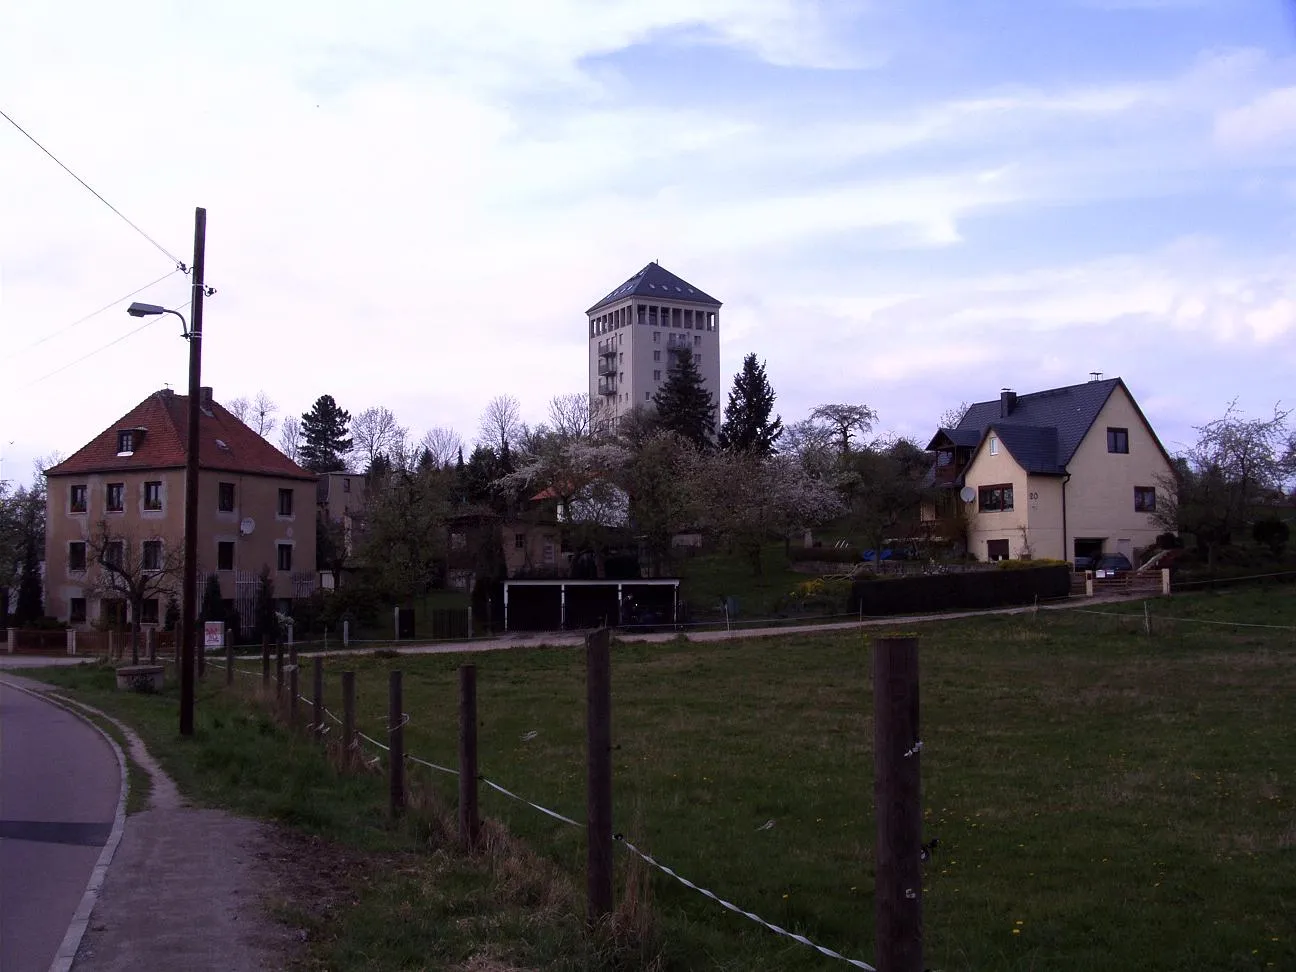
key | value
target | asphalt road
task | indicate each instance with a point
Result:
(59, 787)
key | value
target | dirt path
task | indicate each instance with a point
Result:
(186, 888)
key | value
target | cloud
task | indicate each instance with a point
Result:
(1267, 121)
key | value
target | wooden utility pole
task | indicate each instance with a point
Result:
(897, 799)
(189, 597)
(469, 819)
(598, 690)
(317, 712)
(348, 719)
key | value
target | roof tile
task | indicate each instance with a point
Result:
(655, 280)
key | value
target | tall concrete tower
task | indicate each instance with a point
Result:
(636, 333)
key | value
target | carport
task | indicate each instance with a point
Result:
(548, 605)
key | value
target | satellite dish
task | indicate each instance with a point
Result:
(967, 494)
(247, 526)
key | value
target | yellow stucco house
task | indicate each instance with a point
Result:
(1063, 473)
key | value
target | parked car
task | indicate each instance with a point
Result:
(1112, 565)
(1083, 564)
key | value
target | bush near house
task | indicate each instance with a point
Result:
(827, 555)
(970, 590)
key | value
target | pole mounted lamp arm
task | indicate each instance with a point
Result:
(151, 310)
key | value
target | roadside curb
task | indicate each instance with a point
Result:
(67, 950)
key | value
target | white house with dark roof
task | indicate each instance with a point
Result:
(1061, 473)
(637, 332)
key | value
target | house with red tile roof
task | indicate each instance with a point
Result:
(256, 509)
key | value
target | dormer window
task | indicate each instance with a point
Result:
(128, 440)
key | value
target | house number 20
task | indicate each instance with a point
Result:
(1034, 496)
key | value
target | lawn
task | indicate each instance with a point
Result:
(1104, 798)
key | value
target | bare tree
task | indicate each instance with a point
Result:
(569, 415)
(263, 415)
(257, 414)
(844, 421)
(501, 423)
(134, 568)
(442, 444)
(951, 417)
(375, 432)
(240, 408)
(290, 437)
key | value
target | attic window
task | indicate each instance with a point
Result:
(220, 443)
(994, 446)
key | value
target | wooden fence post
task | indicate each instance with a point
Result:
(317, 715)
(279, 671)
(897, 799)
(229, 663)
(265, 662)
(293, 692)
(396, 740)
(469, 819)
(598, 691)
(348, 718)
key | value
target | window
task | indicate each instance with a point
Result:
(997, 550)
(77, 498)
(656, 355)
(77, 555)
(1118, 440)
(149, 611)
(285, 502)
(284, 556)
(656, 337)
(994, 446)
(115, 500)
(77, 610)
(225, 555)
(647, 396)
(621, 358)
(656, 376)
(995, 499)
(697, 341)
(112, 555)
(346, 485)
(153, 496)
(151, 555)
(697, 359)
(225, 497)
(126, 442)
(1144, 499)
(519, 541)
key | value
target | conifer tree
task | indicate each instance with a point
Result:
(684, 406)
(747, 426)
(326, 438)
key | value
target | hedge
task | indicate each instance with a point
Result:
(969, 590)
(829, 555)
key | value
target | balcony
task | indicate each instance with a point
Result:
(607, 386)
(607, 347)
(607, 366)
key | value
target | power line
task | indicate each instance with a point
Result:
(180, 265)
(108, 306)
(90, 354)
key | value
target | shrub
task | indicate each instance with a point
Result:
(828, 555)
(1272, 533)
(1168, 541)
(1029, 564)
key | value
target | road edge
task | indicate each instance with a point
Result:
(67, 949)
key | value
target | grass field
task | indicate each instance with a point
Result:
(1104, 799)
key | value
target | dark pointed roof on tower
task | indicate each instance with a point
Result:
(655, 280)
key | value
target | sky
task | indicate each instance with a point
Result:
(412, 204)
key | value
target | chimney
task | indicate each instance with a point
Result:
(1007, 402)
(205, 398)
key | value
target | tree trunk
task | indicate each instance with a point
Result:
(135, 633)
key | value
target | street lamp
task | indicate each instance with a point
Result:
(149, 310)
(189, 598)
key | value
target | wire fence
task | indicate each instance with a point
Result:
(563, 818)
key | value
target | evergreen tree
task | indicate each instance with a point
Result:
(684, 406)
(326, 438)
(31, 607)
(747, 426)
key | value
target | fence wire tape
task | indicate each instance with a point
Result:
(423, 762)
(822, 949)
(1162, 617)
(545, 810)
(371, 739)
